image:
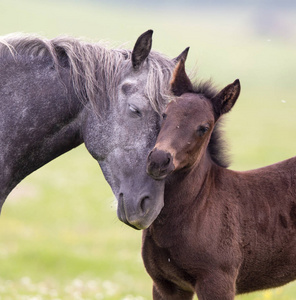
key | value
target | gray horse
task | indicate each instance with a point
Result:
(56, 94)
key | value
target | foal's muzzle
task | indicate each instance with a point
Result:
(159, 164)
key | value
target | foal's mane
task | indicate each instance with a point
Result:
(217, 147)
(95, 69)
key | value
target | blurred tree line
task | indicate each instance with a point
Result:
(269, 18)
(194, 3)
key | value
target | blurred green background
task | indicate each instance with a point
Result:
(59, 234)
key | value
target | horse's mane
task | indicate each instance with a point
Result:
(94, 68)
(217, 146)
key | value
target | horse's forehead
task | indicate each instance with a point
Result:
(136, 89)
(132, 93)
(136, 76)
(133, 82)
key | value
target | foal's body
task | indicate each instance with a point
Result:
(221, 232)
(229, 229)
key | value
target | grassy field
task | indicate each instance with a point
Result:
(59, 234)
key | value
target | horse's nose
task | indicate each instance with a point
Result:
(159, 164)
(134, 214)
(144, 204)
(136, 220)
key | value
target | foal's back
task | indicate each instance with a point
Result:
(267, 202)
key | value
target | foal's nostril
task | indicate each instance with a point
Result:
(149, 155)
(159, 158)
(168, 160)
(159, 164)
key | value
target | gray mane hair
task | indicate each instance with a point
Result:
(94, 69)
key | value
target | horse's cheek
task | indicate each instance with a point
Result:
(95, 138)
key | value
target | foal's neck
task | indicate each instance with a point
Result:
(186, 192)
(188, 186)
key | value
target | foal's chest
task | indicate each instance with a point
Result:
(167, 263)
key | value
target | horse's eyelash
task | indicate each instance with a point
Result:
(135, 110)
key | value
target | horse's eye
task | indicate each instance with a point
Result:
(201, 130)
(134, 110)
(164, 116)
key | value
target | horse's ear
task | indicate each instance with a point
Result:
(224, 100)
(180, 82)
(142, 49)
(183, 55)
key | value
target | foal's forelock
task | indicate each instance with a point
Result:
(217, 148)
(95, 69)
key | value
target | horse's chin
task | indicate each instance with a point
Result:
(138, 225)
(133, 226)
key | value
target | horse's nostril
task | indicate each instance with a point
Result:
(144, 204)
(121, 195)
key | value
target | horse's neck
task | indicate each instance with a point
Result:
(40, 120)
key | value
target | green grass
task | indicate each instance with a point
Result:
(59, 234)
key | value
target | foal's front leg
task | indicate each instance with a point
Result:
(169, 291)
(216, 287)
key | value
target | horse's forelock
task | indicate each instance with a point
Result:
(159, 75)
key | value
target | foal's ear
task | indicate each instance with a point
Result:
(224, 101)
(142, 49)
(180, 82)
(183, 55)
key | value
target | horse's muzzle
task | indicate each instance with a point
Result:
(139, 215)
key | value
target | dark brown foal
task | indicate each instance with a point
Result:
(221, 232)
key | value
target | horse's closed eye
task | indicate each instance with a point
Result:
(135, 110)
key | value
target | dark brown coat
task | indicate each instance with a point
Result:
(221, 232)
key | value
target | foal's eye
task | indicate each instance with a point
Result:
(134, 110)
(164, 116)
(201, 130)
